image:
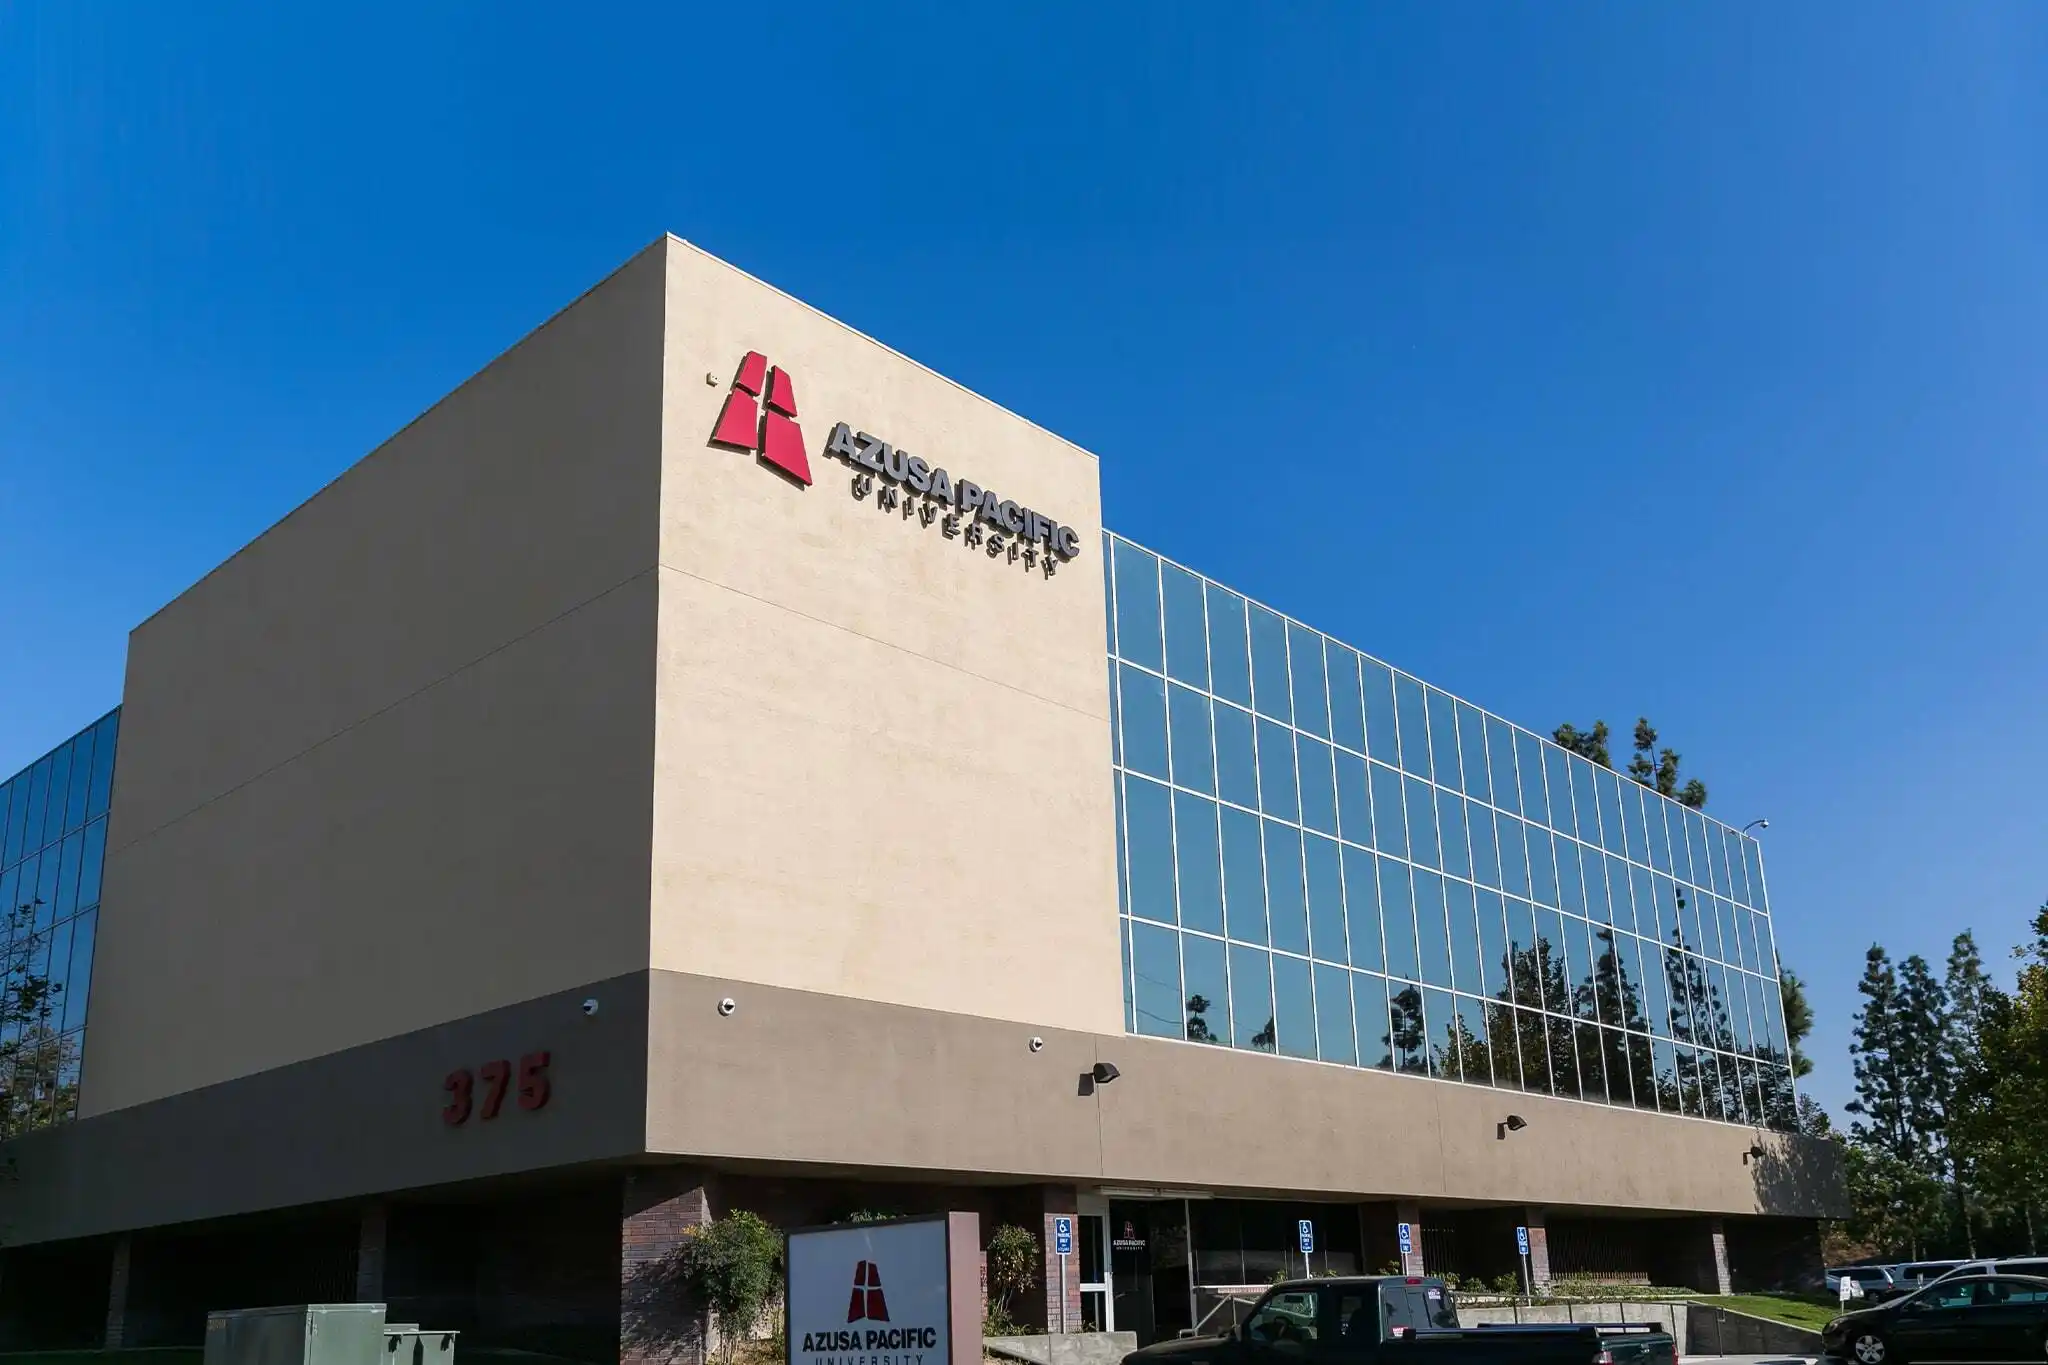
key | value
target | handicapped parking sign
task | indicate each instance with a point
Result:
(1063, 1235)
(1306, 1231)
(1407, 1238)
(1522, 1241)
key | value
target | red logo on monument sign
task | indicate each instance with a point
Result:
(866, 1305)
(760, 415)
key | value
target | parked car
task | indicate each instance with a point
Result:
(2011, 1265)
(1971, 1317)
(1392, 1319)
(1876, 1280)
(1919, 1274)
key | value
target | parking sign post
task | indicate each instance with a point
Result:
(1305, 1234)
(1522, 1255)
(1063, 1246)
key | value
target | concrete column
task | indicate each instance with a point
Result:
(370, 1239)
(1717, 1235)
(117, 1296)
(660, 1207)
(1057, 1201)
(1409, 1212)
(1539, 1247)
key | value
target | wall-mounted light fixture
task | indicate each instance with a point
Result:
(1104, 1072)
(1755, 1153)
(1514, 1123)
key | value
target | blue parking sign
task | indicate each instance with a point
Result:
(1407, 1238)
(1306, 1230)
(1522, 1241)
(1063, 1235)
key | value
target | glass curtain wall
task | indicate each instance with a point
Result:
(1323, 857)
(53, 842)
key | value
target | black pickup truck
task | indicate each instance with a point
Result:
(1392, 1320)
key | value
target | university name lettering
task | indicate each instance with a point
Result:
(873, 1339)
(1025, 526)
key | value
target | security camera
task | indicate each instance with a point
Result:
(590, 1005)
(728, 1005)
(1037, 1043)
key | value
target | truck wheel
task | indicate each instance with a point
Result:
(1870, 1348)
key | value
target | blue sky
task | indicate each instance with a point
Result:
(1587, 360)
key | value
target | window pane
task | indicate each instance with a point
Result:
(1195, 853)
(1450, 819)
(1237, 769)
(1244, 877)
(1571, 889)
(1269, 664)
(1318, 794)
(1432, 935)
(1558, 776)
(1564, 1057)
(1472, 746)
(1493, 944)
(1284, 905)
(1335, 1041)
(1500, 752)
(1553, 969)
(1294, 1006)
(1137, 606)
(1738, 875)
(1610, 812)
(1593, 867)
(1579, 944)
(1369, 998)
(1143, 703)
(1674, 824)
(1382, 737)
(66, 899)
(1251, 999)
(104, 749)
(77, 991)
(1465, 972)
(1501, 1037)
(1475, 1052)
(81, 781)
(1414, 725)
(1390, 831)
(1659, 837)
(1155, 966)
(1230, 669)
(1347, 707)
(1354, 802)
(1397, 916)
(1442, 1023)
(1585, 804)
(1311, 697)
(1148, 832)
(1514, 856)
(1542, 872)
(1123, 935)
(1532, 1034)
(1443, 738)
(1187, 645)
(1408, 1032)
(1194, 762)
(1422, 846)
(1529, 759)
(1618, 900)
(1362, 910)
(1485, 853)
(1208, 990)
(1325, 900)
(60, 788)
(1276, 771)
(1645, 897)
(1632, 821)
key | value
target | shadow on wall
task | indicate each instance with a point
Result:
(659, 1320)
(1798, 1176)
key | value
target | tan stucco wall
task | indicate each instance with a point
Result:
(810, 1079)
(391, 764)
(882, 758)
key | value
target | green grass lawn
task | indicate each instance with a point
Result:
(1810, 1311)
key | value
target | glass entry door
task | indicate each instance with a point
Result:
(1148, 1256)
(1097, 1305)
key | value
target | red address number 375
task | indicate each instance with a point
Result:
(497, 1078)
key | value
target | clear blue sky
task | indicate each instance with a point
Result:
(1585, 360)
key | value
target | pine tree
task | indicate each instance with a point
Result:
(1881, 1102)
(1971, 997)
(1798, 1018)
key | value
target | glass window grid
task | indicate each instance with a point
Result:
(1701, 836)
(61, 861)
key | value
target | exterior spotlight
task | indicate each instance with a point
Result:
(1102, 1073)
(1755, 1153)
(1514, 1123)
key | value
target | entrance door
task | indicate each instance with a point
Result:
(1148, 1256)
(1097, 1307)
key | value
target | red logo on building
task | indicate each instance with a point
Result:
(760, 415)
(866, 1305)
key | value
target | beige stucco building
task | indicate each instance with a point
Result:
(569, 824)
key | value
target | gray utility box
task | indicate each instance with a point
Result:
(301, 1334)
(406, 1344)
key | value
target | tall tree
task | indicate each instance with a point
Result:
(1798, 1018)
(2001, 1081)
(1881, 1104)
(1586, 743)
(1969, 995)
(1658, 769)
